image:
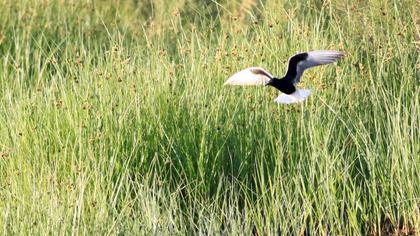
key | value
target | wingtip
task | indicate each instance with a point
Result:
(342, 54)
(338, 54)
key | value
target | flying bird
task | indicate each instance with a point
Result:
(297, 65)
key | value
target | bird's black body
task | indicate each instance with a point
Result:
(283, 85)
(286, 84)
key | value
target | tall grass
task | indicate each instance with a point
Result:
(114, 119)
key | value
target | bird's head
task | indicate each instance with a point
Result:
(269, 82)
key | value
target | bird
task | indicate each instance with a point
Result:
(296, 66)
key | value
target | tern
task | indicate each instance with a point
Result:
(297, 65)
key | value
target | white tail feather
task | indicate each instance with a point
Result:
(298, 96)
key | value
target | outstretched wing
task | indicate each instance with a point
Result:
(250, 76)
(302, 61)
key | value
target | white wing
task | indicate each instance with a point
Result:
(315, 58)
(250, 76)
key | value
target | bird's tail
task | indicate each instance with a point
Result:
(298, 96)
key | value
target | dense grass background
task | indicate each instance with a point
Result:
(114, 120)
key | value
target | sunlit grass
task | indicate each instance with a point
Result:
(114, 119)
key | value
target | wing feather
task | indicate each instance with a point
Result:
(302, 61)
(250, 76)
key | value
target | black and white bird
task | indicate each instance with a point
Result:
(297, 65)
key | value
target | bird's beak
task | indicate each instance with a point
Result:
(269, 82)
